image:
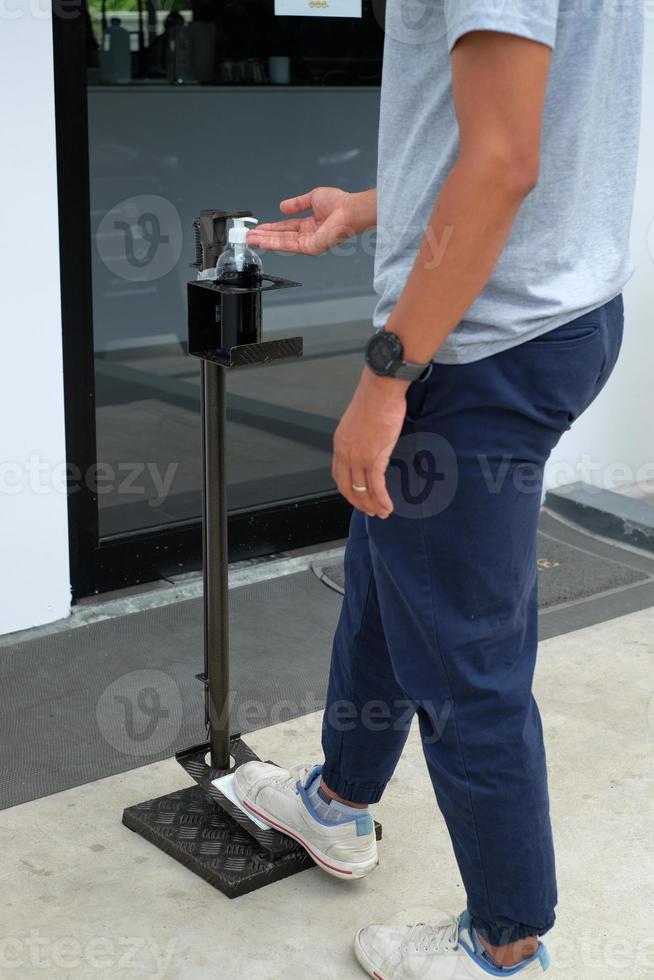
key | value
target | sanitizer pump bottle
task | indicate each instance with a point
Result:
(238, 264)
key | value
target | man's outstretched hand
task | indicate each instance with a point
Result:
(336, 216)
(364, 441)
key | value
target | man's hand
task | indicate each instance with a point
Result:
(337, 215)
(365, 439)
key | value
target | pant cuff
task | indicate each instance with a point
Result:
(510, 932)
(352, 792)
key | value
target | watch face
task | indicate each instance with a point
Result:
(384, 352)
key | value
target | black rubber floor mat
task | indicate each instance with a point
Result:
(115, 695)
(566, 573)
(118, 694)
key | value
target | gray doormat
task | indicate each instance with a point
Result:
(121, 693)
(565, 574)
(582, 579)
(101, 699)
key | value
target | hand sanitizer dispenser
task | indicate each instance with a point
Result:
(224, 303)
(239, 266)
(203, 826)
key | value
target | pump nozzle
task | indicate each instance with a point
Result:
(238, 231)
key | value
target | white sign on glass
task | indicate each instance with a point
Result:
(318, 8)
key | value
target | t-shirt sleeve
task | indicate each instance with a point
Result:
(533, 19)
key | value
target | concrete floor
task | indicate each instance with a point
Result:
(83, 897)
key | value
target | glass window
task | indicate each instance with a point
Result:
(160, 153)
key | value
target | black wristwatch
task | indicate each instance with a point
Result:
(385, 357)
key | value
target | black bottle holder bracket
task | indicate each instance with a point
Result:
(225, 324)
(200, 826)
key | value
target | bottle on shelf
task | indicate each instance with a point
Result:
(241, 267)
(239, 263)
(116, 55)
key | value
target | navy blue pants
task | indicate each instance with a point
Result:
(440, 613)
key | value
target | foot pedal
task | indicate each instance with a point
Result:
(194, 762)
(206, 829)
(225, 785)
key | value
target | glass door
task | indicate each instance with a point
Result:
(208, 114)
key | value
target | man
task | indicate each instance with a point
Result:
(507, 157)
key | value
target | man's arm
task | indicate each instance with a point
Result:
(499, 84)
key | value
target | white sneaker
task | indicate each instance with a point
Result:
(445, 951)
(278, 796)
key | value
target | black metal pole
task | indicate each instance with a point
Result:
(215, 563)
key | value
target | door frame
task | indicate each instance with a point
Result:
(102, 564)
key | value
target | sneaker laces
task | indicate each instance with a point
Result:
(288, 779)
(440, 938)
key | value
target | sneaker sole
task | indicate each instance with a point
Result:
(348, 872)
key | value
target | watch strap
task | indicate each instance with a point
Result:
(412, 372)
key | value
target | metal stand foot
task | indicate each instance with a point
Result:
(194, 830)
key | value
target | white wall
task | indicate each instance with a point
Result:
(34, 578)
(613, 442)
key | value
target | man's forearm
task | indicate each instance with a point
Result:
(467, 231)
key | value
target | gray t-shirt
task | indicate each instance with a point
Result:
(568, 252)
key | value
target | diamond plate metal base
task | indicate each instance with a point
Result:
(193, 830)
(193, 761)
(203, 830)
(244, 355)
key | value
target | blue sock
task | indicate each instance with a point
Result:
(328, 809)
(483, 953)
